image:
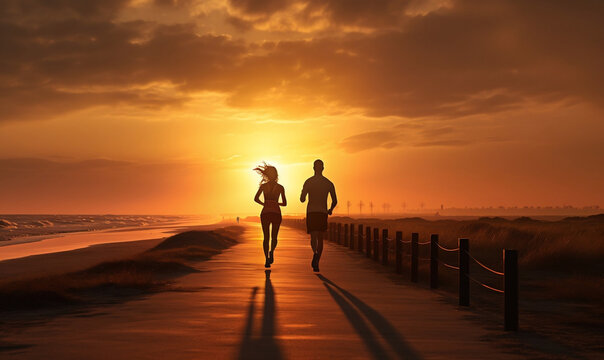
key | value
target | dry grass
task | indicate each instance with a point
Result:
(147, 272)
(569, 246)
(560, 265)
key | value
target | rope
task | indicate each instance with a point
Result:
(485, 285)
(447, 265)
(406, 242)
(484, 266)
(447, 249)
(424, 243)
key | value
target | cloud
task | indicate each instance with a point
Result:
(369, 140)
(445, 60)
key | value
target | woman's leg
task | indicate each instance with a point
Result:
(265, 221)
(275, 232)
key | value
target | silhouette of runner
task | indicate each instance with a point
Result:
(271, 211)
(317, 188)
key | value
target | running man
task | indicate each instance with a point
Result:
(317, 187)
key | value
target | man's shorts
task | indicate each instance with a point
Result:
(316, 221)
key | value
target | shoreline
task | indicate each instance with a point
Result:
(79, 258)
(55, 243)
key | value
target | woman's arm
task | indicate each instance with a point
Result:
(257, 197)
(284, 202)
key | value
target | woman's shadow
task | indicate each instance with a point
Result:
(265, 345)
(354, 309)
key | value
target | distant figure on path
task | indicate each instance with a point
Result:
(317, 188)
(271, 211)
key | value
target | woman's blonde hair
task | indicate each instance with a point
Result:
(268, 173)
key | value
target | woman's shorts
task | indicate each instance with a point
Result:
(270, 218)
(316, 221)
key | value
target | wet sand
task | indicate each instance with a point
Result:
(48, 244)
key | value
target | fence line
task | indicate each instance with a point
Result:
(379, 248)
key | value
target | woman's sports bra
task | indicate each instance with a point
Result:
(271, 198)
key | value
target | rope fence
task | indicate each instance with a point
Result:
(376, 244)
(484, 266)
(485, 285)
(447, 249)
(448, 265)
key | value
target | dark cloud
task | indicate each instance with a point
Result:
(373, 14)
(472, 58)
(261, 7)
(370, 140)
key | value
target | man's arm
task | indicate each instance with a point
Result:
(334, 199)
(304, 193)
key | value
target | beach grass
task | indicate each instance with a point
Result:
(150, 271)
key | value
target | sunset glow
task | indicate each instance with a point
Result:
(166, 106)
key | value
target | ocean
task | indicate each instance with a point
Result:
(16, 226)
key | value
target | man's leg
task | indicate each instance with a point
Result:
(319, 249)
(313, 242)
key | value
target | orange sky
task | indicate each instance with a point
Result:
(165, 106)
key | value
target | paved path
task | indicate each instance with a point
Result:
(231, 310)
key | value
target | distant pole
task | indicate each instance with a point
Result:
(414, 254)
(351, 239)
(339, 237)
(348, 203)
(510, 289)
(360, 238)
(376, 244)
(399, 252)
(385, 247)
(368, 241)
(434, 261)
(464, 272)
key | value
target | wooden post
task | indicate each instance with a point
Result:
(351, 240)
(385, 247)
(339, 236)
(434, 261)
(414, 253)
(398, 249)
(345, 242)
(376, 244)
(368, 241)
(464, 272)
(330, 232)
(334, 229)
(510, 289)
(360, 239)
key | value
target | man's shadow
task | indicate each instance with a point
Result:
(354, 309)
(265, 345)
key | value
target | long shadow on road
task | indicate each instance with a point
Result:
(265, 346)
(353, 308)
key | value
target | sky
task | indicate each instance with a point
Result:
(166, 106)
